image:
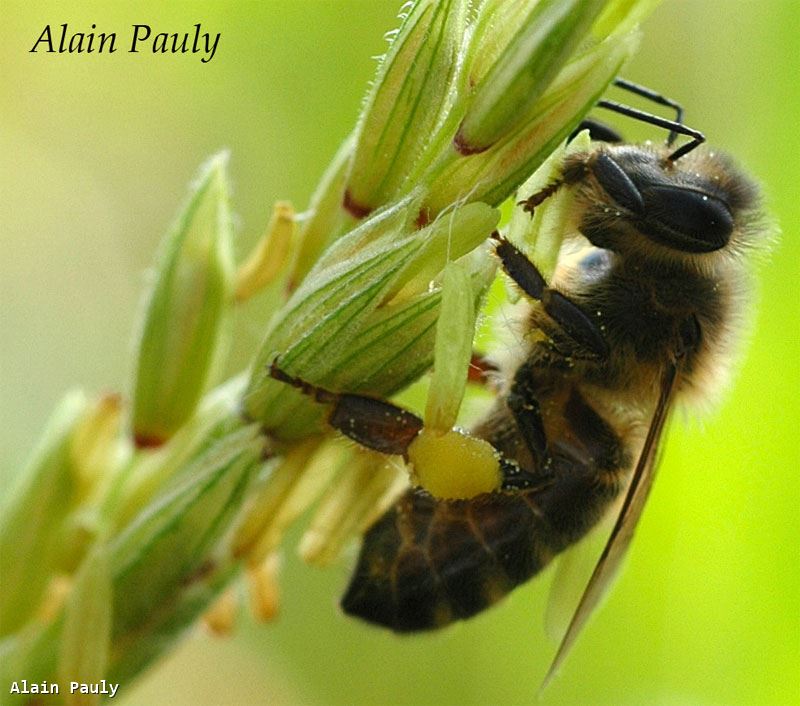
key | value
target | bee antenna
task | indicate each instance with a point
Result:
(698, 138)
(658, 98)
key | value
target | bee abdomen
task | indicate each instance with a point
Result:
(429, 562)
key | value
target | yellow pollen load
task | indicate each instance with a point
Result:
(453, 465)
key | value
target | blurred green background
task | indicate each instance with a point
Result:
(96, 154)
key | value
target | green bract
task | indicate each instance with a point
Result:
(183, 325)
(365, 321)
(544, 38)
(541, 235)
(31, 523)
(406, 103)
(170, 553)
(86, 635)
(453, 349)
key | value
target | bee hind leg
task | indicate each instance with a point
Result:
(372, 422)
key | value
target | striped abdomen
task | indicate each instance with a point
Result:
(428, 562)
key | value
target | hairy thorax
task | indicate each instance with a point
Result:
(641, 308)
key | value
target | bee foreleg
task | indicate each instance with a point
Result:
(534, 200)
(572, 319)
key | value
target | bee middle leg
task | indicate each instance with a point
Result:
(570, 317)
(524, 406)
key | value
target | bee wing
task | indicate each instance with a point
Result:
(622, 533)
(573, 567)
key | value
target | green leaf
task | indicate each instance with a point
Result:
(160, 630)
(495, 25)
(158, 470)
(620, 17)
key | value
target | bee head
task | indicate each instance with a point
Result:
(691, 205)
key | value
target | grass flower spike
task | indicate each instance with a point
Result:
(142, 510)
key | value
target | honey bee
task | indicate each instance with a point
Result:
(645, 315)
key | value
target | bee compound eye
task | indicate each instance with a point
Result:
(617, 184)
(687, 219)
